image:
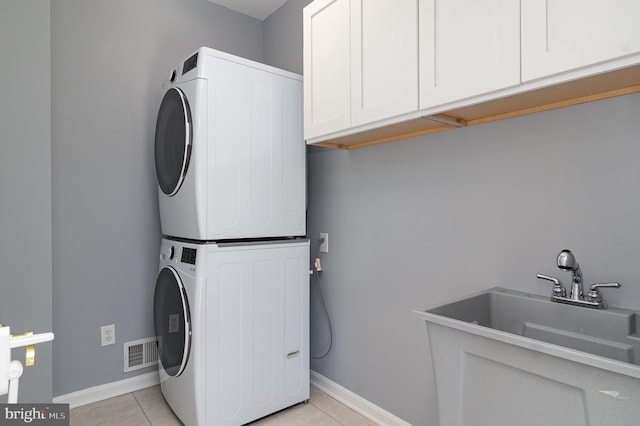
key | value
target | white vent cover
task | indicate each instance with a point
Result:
(140, 354)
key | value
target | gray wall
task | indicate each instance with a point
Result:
(414, 223)
(25, 183)
(421, 221)
(283, 36)
(109, 58)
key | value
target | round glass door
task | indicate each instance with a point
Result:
(172, 322)
(173, 141)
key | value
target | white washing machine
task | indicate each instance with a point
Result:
(232, 322)
(229, 150)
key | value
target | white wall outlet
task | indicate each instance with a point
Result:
(324, 242)
(108, 335)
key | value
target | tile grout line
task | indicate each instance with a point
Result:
(338, 403)
(327, 413)
(140, 406)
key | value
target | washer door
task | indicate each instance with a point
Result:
(173, 141)
(172, 321)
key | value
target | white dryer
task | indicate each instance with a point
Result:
(232, 322)
(229, 150)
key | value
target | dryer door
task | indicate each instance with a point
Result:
(173, 141)
(172, 321)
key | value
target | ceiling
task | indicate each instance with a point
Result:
(258, 9)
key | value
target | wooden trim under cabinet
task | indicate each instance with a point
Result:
(405, 129)
(601, 86)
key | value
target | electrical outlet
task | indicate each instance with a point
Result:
(108, 335)
(324, 242)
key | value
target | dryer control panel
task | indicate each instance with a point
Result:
(190, 64)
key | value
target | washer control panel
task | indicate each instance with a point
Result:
(172, 252)
(188, 255)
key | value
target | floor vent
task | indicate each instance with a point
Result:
(140, 354)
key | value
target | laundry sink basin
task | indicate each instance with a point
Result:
(501, 353)
(611, 333)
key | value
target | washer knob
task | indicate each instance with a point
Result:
(167, 252)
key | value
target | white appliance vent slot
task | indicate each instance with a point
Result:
(140, 354)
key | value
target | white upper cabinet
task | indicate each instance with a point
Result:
(327, 69)
(378, 70)
(563, 35)
(384, 59)
(360, 62)
(467, 48)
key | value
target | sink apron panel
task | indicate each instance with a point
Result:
(485, 380)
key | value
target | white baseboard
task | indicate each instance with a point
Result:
(331, 388)
(356, 402)
(109, 390)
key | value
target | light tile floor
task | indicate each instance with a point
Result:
(148, 407)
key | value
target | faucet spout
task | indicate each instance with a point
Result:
(567, 262)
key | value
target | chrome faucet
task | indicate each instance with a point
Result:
(567, 262)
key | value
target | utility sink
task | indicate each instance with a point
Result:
(501, 353)
(611, 333)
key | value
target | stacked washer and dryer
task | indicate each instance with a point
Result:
(231, 303)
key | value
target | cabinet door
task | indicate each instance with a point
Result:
(326, 30)
(467, 48)
(562, 35)
(384, 59)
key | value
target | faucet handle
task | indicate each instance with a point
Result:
(558, 288)
(594, 293)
